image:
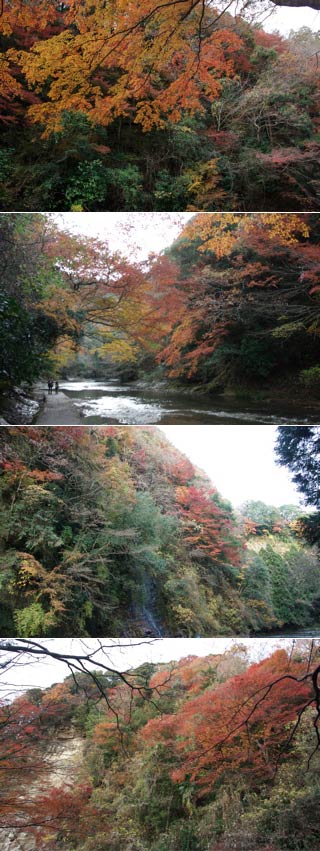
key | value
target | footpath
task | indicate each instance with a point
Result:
(58, 409)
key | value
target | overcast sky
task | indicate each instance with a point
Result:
(134, 234)
(273, 18)
(287, 19)
(239, 460)
(123, 654)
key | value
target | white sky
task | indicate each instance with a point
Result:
(286, 19)
(239, 460)
(134, 234)
(123, 654)
(273, 18)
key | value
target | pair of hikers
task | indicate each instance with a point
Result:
(52, 384)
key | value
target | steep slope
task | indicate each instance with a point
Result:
(208, 756)
(113, 531)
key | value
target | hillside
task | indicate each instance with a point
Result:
(156, 106)
(112, 531)
(250, 306)
(207, 755)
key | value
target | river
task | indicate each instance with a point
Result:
(111, 401)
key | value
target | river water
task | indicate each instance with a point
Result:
(112, 402)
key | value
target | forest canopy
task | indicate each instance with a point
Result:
(156, 106)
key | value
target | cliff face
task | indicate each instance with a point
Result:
(62, 763)
(65, 757)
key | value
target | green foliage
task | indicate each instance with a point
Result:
(28, 331)
(279, 577)
(225, 157)
(256, 358)
(111, 531)
(137, 800)
(92, 182)
(299, 449)
(88, 185)
(30, 620)
(311, 377)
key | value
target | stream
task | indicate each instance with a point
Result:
(101, 402)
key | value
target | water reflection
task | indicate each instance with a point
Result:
(112, 402)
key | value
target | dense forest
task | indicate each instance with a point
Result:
(156, 106)
(112, 531)
(232, 307)
(205, 754)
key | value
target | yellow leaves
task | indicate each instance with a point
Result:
(220, 233)
(215, 232)
(44, 59)
(286, 228)
(9, 86)
(27, 15)
(116, 58)
(64, 353)
(287, 330)
(314, 327)
(37, 492)
(30, 568)
(39, 584)
(119, 350)
(62, 303)
(149, 115)
(204, 185)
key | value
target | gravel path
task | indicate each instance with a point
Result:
(59, 410)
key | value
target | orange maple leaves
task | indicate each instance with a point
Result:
(242, 724)
(242, 260)
(149, 61)
(208, 527)
(220, 233)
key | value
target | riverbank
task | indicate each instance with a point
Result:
(287, 393)
(151, 401)
(19, 406)
(58, 408)
(142, 402)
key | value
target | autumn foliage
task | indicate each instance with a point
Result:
(251, 306)
(207, 752)
(232, 110)
(234, 301)
(112, 530)
(243, 726)
(111, 527)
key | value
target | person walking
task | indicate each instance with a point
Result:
(50, 386)
(56, 387)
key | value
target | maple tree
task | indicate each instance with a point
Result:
(233, 302)
(251, 735)
(75, 287)
(213, 747)
(209, 97)
(250, 285)
(105, 58)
